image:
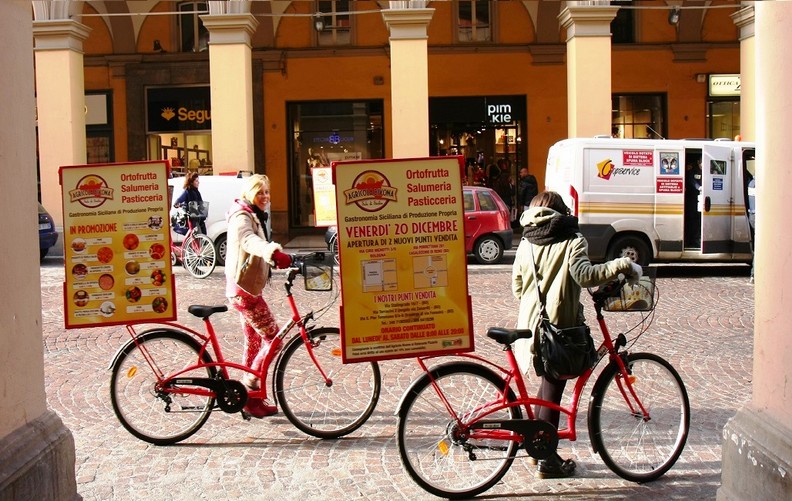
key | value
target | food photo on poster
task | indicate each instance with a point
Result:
(402, 244)
(116, 244)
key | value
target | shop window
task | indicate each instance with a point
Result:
(323, 132)
(473, 21)
(193, 34)
(623, 25)
(639, 116)
(334, 25)
(99, 127)
(723, 119)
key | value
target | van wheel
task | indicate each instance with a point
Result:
(630, 246)
(488, 249)
(220, 246)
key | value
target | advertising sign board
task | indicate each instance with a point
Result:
(403, 261)
(116, 241)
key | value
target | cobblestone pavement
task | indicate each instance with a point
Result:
(703, 326)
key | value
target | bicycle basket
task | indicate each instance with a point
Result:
(198, 210)
(318, 273)
(179, 222)
(638, 297)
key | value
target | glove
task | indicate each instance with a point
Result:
(637, 273)
(282, 260)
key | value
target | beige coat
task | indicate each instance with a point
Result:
(246, 238)
(563, 268)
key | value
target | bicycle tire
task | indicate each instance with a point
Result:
(313, 407)
(199, 256)
(431, 451)
(635, 449)
(156, 417)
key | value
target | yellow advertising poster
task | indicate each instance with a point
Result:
(116, 241)
(403, 264)
(324, 196)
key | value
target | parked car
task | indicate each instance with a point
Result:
(47, 233)
(488, 229)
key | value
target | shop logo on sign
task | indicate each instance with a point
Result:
(91, 192)
(167, 113)
(371, 191)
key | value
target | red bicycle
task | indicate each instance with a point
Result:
(196, 251)
(167, 380)
(461, 423)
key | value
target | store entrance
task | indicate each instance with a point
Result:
(487, 131)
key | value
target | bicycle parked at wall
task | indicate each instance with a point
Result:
(461, 423)
(196, 252)
(167, 380)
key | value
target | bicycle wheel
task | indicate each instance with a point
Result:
(308, 402)
(198, 255)
(152, 415)
(638, 449)
(435, 450)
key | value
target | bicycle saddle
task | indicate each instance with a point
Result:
(204, 312)
(503, 335)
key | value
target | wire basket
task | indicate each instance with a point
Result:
(198, 210)
(317, 270)
(639, 297)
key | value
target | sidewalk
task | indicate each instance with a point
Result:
(704, 326)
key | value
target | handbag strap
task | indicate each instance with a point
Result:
(543, 311)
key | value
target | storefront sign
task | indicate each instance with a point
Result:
(490, 110)
(403, 262)
(724, 85)
(170, 109)
(116, 244)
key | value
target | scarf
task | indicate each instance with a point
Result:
(557, 229)
(260, 214)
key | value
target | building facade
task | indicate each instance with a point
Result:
(320, 81)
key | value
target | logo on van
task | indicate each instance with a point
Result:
(605, 169)
(371, 191)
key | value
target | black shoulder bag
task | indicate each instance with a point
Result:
(565, 353)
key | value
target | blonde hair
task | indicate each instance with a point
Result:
(253, 185)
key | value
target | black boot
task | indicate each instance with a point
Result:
(555, 467)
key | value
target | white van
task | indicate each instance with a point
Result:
(651, 200)
(220, 192)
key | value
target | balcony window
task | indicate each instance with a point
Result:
(473, 21)
(193, 34)
(334, 25)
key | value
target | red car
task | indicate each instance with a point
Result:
(488, 230)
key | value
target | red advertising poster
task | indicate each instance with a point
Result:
(669, 185)
(116, 242)
(637, 158)
(403, 263)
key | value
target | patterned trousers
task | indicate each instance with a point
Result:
(258, 325)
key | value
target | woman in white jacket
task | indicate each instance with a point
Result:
(562, 269)
(250, 253)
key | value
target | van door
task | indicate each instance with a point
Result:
(716, 191)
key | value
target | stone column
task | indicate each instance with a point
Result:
(757, 442)
(588, 67)
(230, 70)
(36, 451)
(409, 80)
(60, 104)
(744, 19)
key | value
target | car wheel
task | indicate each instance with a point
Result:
(488, 249)
(630, 246)
(220, 246)
(42, 254)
